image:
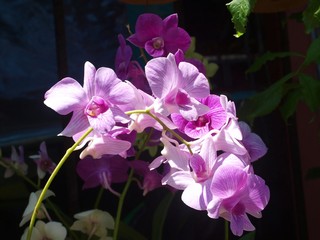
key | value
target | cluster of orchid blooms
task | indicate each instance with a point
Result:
(205, 151)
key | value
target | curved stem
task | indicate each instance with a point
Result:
(126, 188)
(52, 176)
(35, 186)
(120, 205)
(99, 196)
(181, 139)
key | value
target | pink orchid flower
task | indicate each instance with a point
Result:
(43, 161)
(176, 87)
(215, 118)
(95, 104)
(103, 171)
(236, 191)
(159, 37)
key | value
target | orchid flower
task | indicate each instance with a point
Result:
(93, 223)
(159, 37)
(18, 162)
(95, 104)
(102, 144)
(43, 161)
(126, 69)
(176, 87)
(50, 230)
(103, 171)
(151, 178)
(236, 191)
(215, 118)
(42, 213)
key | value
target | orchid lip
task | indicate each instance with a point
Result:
(158, 43)
(96, 106)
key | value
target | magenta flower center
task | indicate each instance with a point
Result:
(96, 106)
(199, 168)
(45, 165)
(158, 43)
(182, 98)
(201, 121)
(238, 209)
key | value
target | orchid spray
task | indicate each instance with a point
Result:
(205, 152)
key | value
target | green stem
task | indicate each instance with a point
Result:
(126, 188)
(182, 140)
(226, 230)
(36, 186)
(99, 196)
(165, 127)
(120, 205)
(52, 176)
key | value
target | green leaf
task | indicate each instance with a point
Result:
(311, 15)
(248, 236)
(153, 150)
(269, 56)
(289, 103)
(313, 173)
(310, 91)
(160, 215)
(313, 53)
(240, 10)
(264, 102)
(128, 233)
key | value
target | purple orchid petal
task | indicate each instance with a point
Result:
(140, 167)
(176, 157)
(78, 123)
(171, 21)
(258, 195)
(157, 162)
(192, 196)
(121, 93)
(229, 139)
(88, 82)
(137, 77)
(43, 150)
(180, 121)
(65, 96)
(94, 172)
(102, 145)
(151, 178)
(192, 111)
(217, 113)
(176, 38)
(209, 153)
(252, 142)
(213, 207)
(105, 81)
(194, 130)
(198, 167)
(179, 56)
(147, 27)
(162, 75)
(194, 82)
(239, 223)
(123, 57)
(227, 181)
(179, 180)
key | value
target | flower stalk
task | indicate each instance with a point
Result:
(52, 176)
